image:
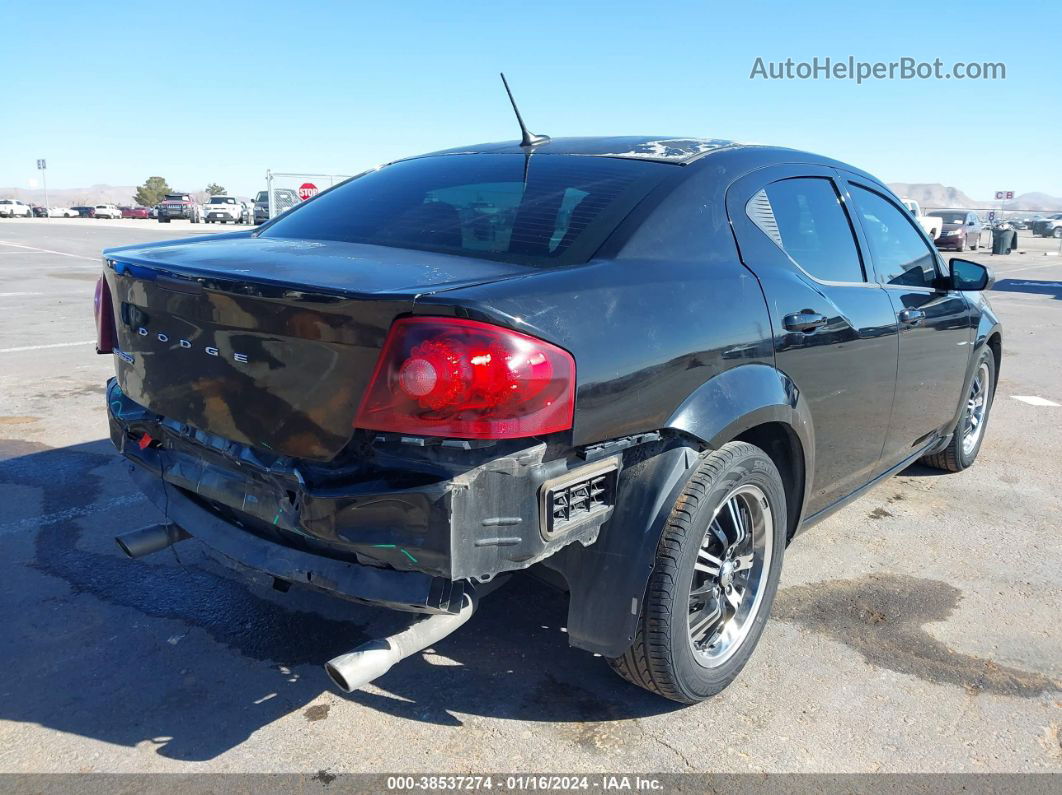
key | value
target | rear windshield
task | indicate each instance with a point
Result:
(222, 200)
(549, 209)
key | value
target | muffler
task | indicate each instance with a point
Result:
(374, 658)
(152, 538)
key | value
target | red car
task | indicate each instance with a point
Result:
(134, 212)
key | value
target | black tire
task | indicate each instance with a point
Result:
(1058, 232)
(957, 456)
(662, 659)
(961, 246)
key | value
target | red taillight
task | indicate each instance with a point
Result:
(464, 379)
(106, 336)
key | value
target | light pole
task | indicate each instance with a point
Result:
(42, 166)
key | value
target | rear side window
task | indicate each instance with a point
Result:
(540, 210)
(804, 217)
(900, 254)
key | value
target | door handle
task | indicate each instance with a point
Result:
(912, 317)
(805, 320)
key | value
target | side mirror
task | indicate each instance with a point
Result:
(967, 275)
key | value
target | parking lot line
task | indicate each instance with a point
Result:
(1028, 268)
(42, 347)
(1034, 400)
(48, 251)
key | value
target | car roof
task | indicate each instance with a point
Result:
(736, 158)
(658, 148)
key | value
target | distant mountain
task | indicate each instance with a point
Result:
(1035, 201)
(94, 194)
(933, 195)
(71, 197)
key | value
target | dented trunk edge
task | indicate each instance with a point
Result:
(452, 513)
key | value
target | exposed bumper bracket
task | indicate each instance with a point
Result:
(398, 590)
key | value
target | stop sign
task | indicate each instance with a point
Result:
(306, 190)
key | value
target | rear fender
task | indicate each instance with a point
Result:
(607, 580)
(741, 398)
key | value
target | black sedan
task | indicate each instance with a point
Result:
(642, 365)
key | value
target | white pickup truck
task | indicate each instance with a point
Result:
(13, 208)
(930, 223)
(223, 209)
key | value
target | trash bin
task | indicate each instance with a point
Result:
(1003, 240)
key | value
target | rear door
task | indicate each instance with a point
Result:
(834, 328)
(936, 335)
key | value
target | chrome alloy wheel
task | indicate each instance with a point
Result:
(976, 408)
(730, 574)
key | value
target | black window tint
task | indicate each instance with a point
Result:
(548, 209)
(900, 254)
(811, 226)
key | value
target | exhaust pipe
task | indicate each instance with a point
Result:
(374, 658)
(152, 538)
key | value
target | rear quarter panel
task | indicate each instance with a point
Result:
(665, 307)
(645, 333)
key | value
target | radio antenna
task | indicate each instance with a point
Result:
(527, 138)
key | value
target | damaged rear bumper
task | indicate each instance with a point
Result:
(412, 591)
(400, 522)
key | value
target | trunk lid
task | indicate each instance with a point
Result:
(267, 342)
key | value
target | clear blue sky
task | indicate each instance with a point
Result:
(113, 92)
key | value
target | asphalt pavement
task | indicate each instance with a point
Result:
(915, 630)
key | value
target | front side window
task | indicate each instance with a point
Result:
(900, 254)
(805, 218)
(542, 210)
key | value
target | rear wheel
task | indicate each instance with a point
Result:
(969, 433)
(717, 568)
